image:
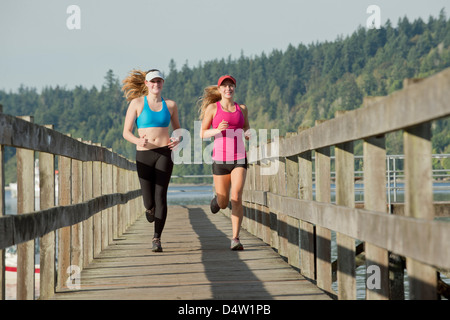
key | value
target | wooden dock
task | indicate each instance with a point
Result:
(196, 264)
(96, 228)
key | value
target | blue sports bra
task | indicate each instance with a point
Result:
(149, 118)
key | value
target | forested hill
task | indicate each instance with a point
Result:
(282, 89)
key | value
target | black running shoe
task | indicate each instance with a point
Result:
(236, 244)
(156, 245)
(150, 215)
(214, 205)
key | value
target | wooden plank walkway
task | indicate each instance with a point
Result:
(196, 264)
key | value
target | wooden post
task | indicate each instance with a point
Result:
(64, 234)
(292, 177)
(126, 209)
(247, 204)
(47, 242)
(124, 189)
(122, 207)
(111, 211)
(129, 184)
(258, 225)
(307, 232)
(109, 190)
(273, 216)
(345, 196)
(250, 219)
(137, 203)
(97, 192)
(253, 222)
(292, 190)
(265, 210)
(114, 209)
(375, 199)
(77, 229)
(25, 204)
(419, 204)
(116, 189)
(323, 235)
(105, 213)
(282, 218)
(88, 224)
(2, 213)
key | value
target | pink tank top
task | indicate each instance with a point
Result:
(229, 145)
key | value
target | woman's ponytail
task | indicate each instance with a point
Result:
(211, 94)
(134, 85)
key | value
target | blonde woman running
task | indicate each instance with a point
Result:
(229, 121)
(152, 115)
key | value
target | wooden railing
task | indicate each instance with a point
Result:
(97, 199)
(279, 208)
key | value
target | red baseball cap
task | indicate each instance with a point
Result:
(223, 78)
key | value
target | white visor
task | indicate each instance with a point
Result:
(153, 74)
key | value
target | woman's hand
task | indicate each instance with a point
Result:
(173, 142)
(247, 134)
(142, 141)
(223, 125)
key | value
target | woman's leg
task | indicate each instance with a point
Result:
(145, 171)
(163, 172)
(222, 186)
(237, 188)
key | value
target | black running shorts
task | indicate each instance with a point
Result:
(220, 168)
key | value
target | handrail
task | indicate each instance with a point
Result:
(97, 193)
(279, 207)
(380, 115)
(20, 133)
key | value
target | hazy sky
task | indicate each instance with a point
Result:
(37, 48)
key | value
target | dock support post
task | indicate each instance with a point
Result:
(419, 204)
(47, 242)
(25, 204)
(375, 199)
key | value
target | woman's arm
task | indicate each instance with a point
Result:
(173, 109)
(246, 123)
(128, 126)
(205, 131)
(174, 120)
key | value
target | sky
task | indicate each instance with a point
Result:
(46, 43)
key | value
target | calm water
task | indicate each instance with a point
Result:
(190, 195)
(176, 195)
(202, 195)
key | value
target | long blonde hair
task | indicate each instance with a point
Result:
(210, 95)
(134, 85)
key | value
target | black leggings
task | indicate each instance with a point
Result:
(154, 168)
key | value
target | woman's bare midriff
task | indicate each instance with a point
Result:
(156, 137)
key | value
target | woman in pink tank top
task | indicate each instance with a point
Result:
(229, 122)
